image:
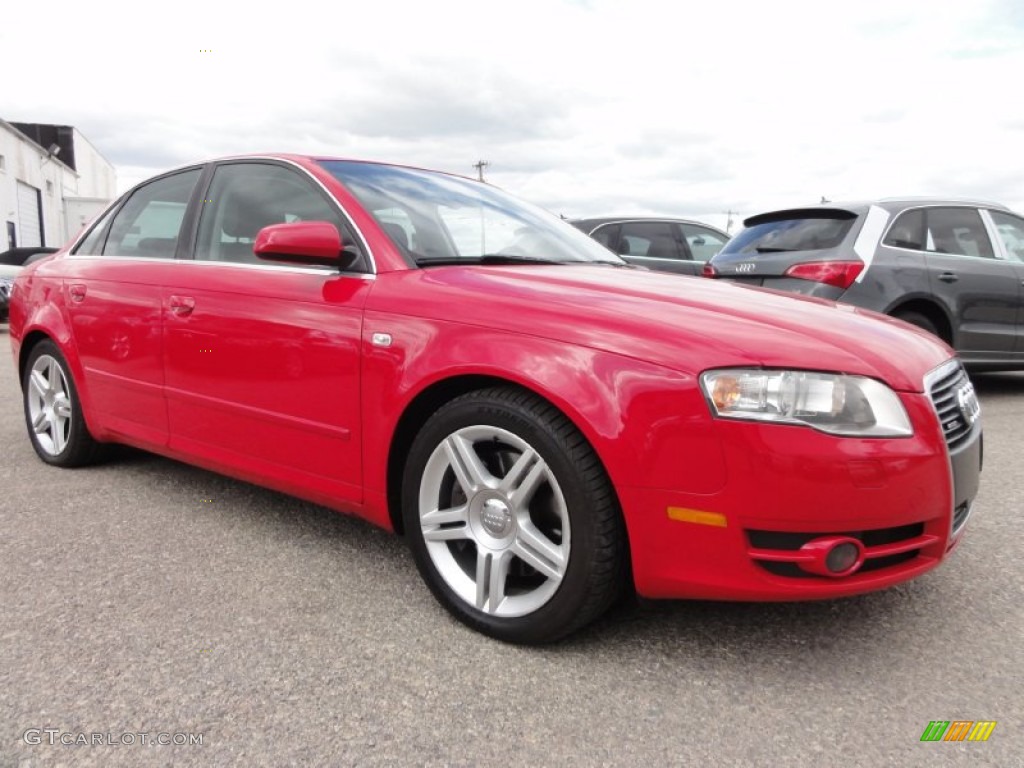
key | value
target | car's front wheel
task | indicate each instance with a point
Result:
(511, 517)
(53, 411)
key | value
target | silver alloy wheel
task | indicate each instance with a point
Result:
(494, 521)
(49, 405)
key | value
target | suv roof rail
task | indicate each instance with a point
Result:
(930, 199)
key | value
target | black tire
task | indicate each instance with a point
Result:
(921, 321)
(572, 506)
(65, 441)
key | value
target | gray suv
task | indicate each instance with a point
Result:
(954, 268)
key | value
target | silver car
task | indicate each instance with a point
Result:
(663, 244)
(953, 268)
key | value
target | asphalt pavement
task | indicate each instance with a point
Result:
(145, 600)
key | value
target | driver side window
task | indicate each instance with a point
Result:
(1011, 231)
(245, 197)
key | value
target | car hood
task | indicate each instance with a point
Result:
(689, 324)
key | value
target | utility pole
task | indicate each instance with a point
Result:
(728, 222)
(480, 165)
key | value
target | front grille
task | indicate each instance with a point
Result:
(943, 389)
(883, 548)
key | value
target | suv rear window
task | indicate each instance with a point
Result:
(792, 231)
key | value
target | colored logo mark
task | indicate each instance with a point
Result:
(958, 730)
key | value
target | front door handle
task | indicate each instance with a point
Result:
(77, 292)
(948, 277)
(182, 306)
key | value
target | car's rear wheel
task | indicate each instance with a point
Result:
(53, 411)
(511, 517)
(921, 321)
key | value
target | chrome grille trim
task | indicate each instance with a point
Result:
(942, 385)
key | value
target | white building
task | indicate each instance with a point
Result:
(52, 182)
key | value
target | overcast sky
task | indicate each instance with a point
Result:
(586, 107)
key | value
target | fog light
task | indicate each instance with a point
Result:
(833, 556)
(842, 557)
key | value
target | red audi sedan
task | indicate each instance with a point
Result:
(547, 426)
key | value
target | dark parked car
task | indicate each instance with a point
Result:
(954, 268)
(667, 245)
(11, 262)
(19, 257)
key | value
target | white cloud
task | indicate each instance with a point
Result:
(584, 107)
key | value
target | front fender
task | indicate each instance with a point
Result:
(649, 425)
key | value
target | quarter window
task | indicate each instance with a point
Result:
(606, 235)
(150, 222)
(1011, 232)
(246, 197)
(957, 231)
(907, 231)
(704, 243)
(92, 244)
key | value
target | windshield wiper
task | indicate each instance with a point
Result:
(487, 258)
(502, 258)
(505, 258)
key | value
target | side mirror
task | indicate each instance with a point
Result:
(301, 242)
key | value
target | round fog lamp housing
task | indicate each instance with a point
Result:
(842, 557)
(833, 556)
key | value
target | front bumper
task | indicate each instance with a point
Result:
(904, 502)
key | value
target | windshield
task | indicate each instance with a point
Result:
(803, 233)
(439, 219)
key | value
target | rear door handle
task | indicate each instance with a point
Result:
(948, 277)
(182, 306)
(77, 292)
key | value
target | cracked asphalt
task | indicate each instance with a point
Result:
(144, 596)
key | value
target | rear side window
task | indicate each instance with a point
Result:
(653, 239)
(907, 231)
(957, 231)
(809, 231)
(149, 223)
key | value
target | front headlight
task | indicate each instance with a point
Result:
(833, 403)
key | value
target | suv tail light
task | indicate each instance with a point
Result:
(841, 274)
